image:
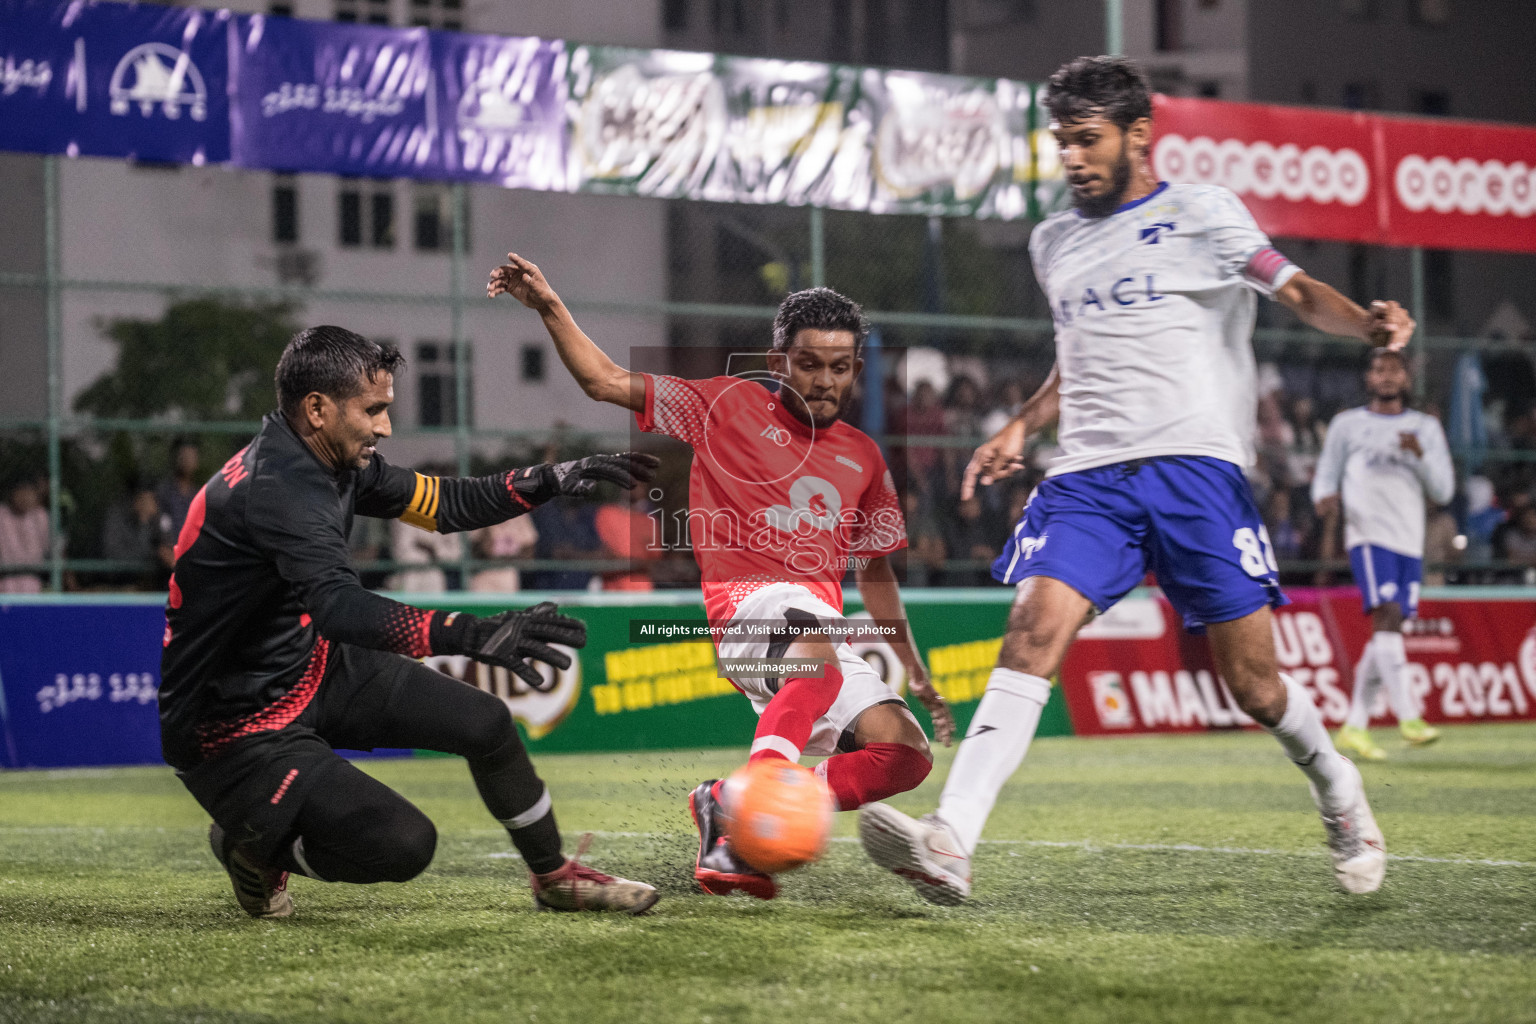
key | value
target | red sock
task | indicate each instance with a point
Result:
(874, 773)
(786, 725)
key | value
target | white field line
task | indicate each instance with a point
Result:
(1093, 847)
(1086, 845)
(1090, 846)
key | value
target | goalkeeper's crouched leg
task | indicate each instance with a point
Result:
(353, 828)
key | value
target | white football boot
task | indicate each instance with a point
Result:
(573, 886)
(925, 852)
(1355, 842)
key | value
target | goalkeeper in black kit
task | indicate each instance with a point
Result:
(275, 653)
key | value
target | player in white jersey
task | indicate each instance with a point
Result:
(1386, 460)
(1153, 289)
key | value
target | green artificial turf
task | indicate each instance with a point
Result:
(1174, 879)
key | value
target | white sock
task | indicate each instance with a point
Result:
(297, 850)
(1391, 658)
(999, 737)
(1305, 739)
(1366, 681)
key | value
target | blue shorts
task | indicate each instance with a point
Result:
(1385, 576)
(1189, 519)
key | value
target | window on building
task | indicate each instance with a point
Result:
(981, 14)
(437, 400)
(1361, 287)
(285, 208)
(1440, 287)
(349, 213)
(1210, 90)
(381, 217)
(840, 42)
(1434, 102)
(443, 14)
(734, 253)
(729, 15)
(674, 15)
(366, 211)
(280, 10)
(363, 12)
(432, 219)
(1431, 12)
(533, 364)
(1170, 25)
(1361, 96)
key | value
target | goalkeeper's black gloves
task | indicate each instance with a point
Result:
(511, 639)
(537, 484)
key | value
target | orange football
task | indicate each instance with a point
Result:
(778, 815)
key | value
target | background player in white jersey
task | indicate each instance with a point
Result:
(1386, 460)
(784, 498)
(1153, 290)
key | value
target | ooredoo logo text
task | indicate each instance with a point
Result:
(1465, 186)
(1266, 171)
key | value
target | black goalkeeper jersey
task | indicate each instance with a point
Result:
(264, 583)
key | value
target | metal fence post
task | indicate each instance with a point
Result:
(456, 329)
(818, 248)
(461, 397)
(1420, 354)
(51, 271)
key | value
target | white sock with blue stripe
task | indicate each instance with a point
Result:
(993, 748)
(1305, 739)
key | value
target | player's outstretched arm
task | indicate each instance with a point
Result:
(599, 376)
(451, 504)
(298, 524)
(882, 599)
(1324, 308)
(1003, 455)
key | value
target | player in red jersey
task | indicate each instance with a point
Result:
(785, 498)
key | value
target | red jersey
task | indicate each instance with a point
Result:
(771, 499)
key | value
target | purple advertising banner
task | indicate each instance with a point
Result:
(105, 79)
(502, 109)
(79, 688)
(79, 682)
(344, 99)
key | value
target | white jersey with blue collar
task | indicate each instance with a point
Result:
(1154, 309)
(1383, 484)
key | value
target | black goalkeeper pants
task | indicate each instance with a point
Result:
(293, 802)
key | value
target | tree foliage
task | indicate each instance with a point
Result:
(205, 359)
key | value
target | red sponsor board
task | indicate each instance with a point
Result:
(1459, 184)
(1301, 172)
(1357, 177)
(1136, 670)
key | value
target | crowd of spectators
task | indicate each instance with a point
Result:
(24, 534)
(1487, 534)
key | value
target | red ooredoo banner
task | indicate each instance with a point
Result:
(1135, 670)
(1301, 172)
(1357, 177)
(1455, 185)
